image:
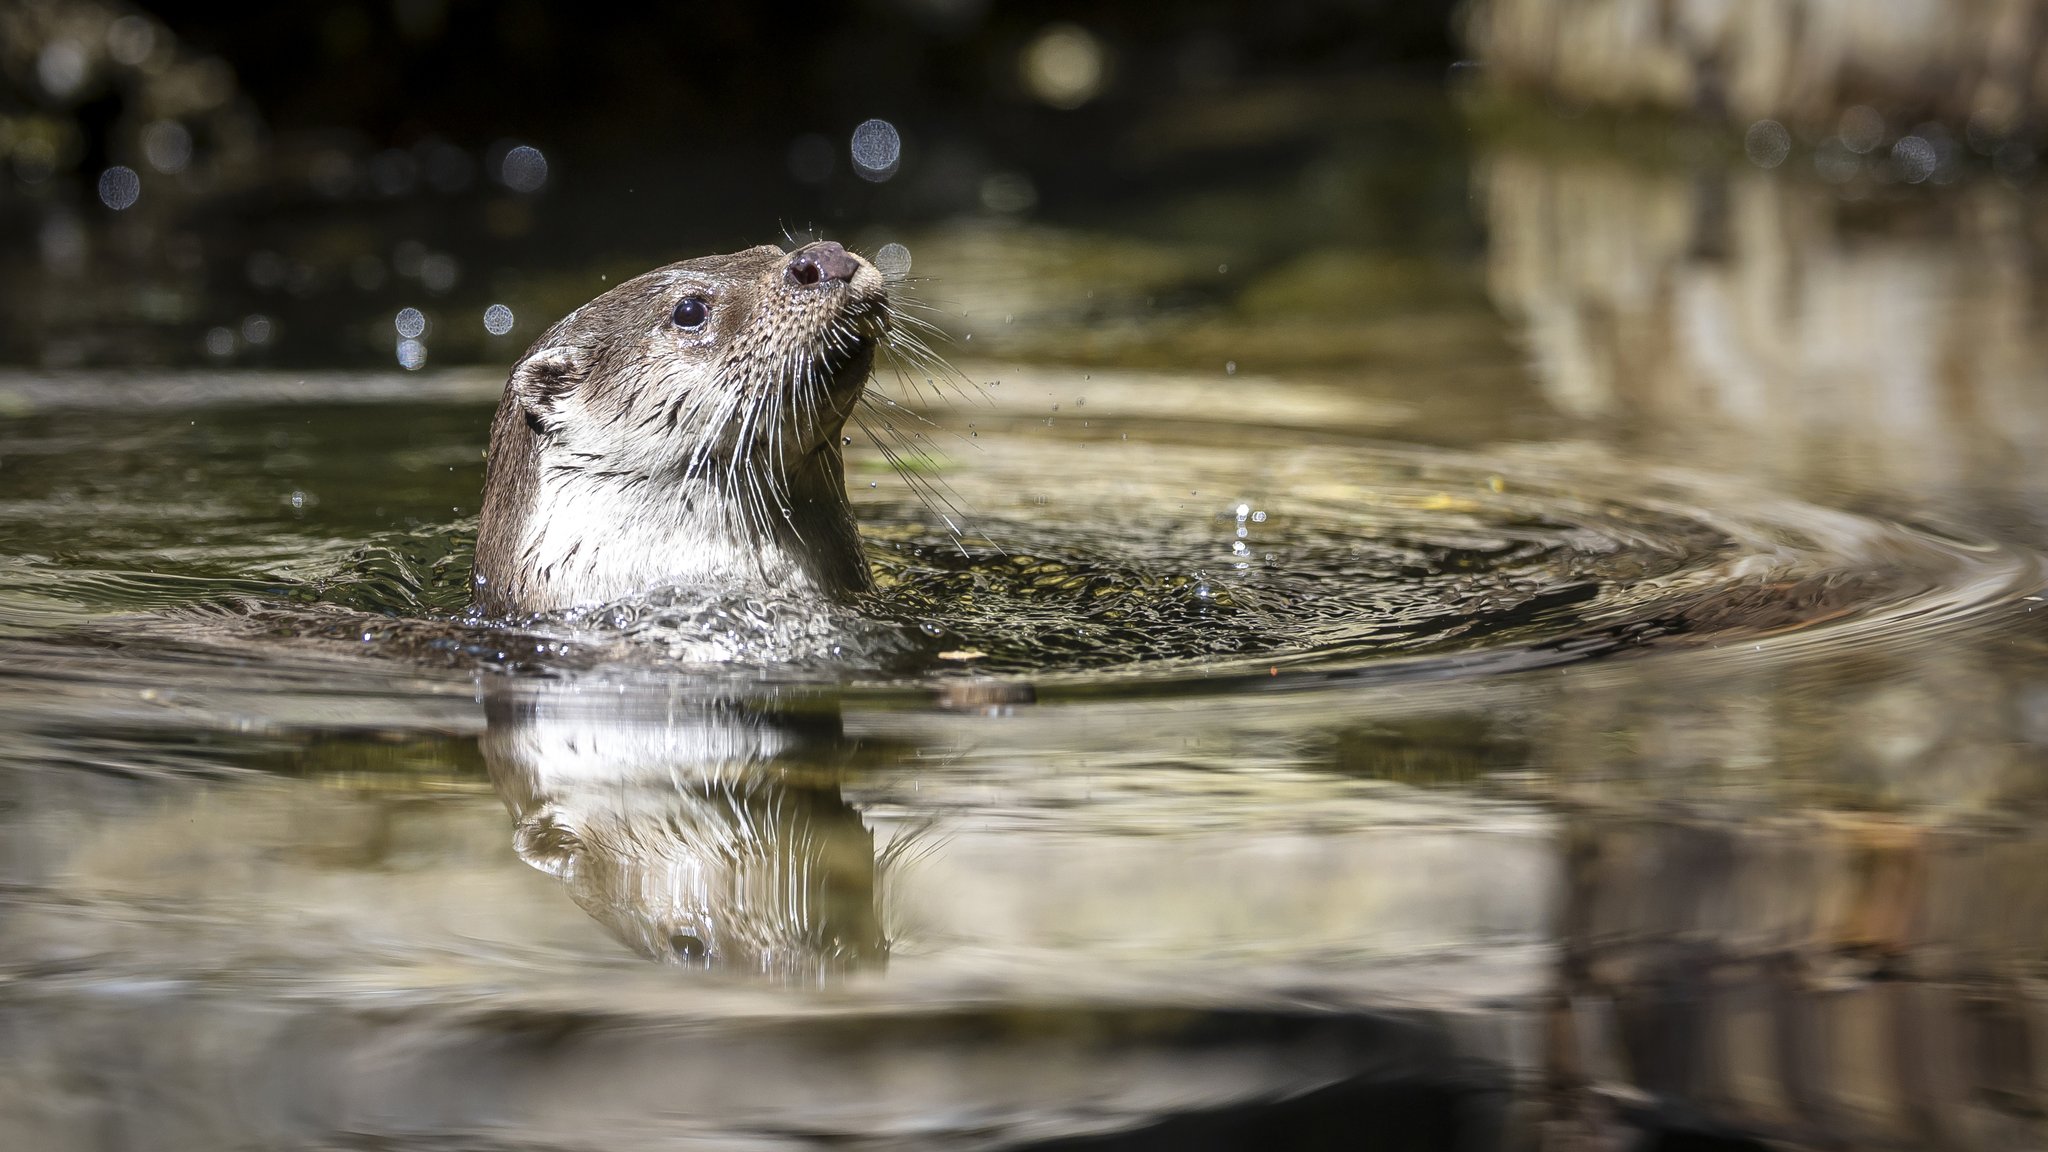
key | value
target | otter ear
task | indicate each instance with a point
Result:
(543, 380)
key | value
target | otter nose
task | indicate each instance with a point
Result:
(820, 264)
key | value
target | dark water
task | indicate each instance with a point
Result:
(1402, 692)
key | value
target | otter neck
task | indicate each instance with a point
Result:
(586, 536)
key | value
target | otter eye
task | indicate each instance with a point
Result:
(691, 312)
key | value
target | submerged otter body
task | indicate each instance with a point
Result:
(684, 429)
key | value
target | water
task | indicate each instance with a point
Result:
(1539, 689)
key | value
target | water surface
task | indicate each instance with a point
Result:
(1581, 715)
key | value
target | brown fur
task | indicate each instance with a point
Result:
(628, 452)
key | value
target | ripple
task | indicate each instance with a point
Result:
(1426, 562)
(1105, 557)
(1367, 561)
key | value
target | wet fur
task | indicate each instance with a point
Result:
(628, 454)
(685, 832)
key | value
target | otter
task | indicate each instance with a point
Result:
(699, 830)
(684, 429)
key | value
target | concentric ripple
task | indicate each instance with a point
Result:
(1098, 553)
(1352, 556)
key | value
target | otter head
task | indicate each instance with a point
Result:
(684, 429)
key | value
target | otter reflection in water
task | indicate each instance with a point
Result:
(706, 832)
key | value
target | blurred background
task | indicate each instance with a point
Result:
(321, 166)
(1700, 220)
(1785, 250)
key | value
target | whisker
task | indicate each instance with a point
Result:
(935, 493)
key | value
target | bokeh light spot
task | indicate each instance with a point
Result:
(130, 40)
(412, 355)
(893, 260)
(498, 319)
(168, 146)
(61, 68)
(439, 272)
(35, 160)
(877, 149)
(1988, 126)
(63, 244)
(524, 169)
(1767, 144)
(120, 188)
(1836, 162)
(411, 323)
(1862, 128)
(1915, 158)
(1063, 66)
(407, 256)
